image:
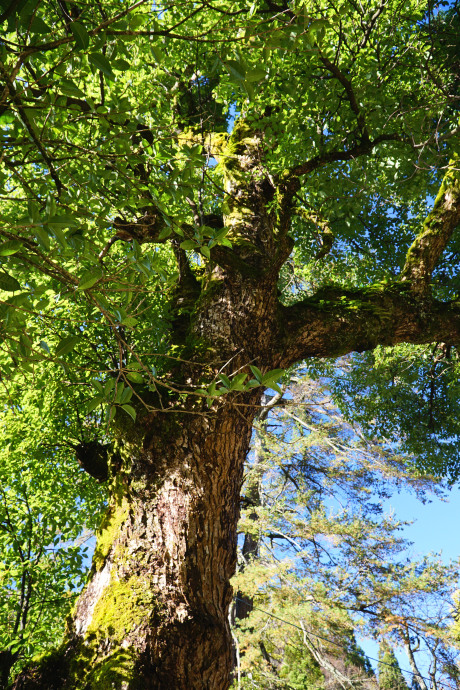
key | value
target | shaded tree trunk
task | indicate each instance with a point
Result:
(161, 589)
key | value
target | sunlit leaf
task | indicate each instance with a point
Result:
(10, 247)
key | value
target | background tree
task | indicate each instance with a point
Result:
(390, 675)
(167, 287)
(329, 563)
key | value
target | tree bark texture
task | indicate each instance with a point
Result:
(154, 615)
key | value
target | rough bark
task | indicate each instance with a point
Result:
(437, 230)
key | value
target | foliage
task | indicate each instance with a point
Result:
(408, 396)
(49, 509)
(100, 99)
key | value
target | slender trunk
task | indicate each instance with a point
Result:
(7, 660)
(413, 664)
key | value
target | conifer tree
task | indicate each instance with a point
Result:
(389, 672)
(327, 564)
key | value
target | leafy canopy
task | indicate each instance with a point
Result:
(96, 117)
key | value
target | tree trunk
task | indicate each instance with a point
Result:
(155, 612)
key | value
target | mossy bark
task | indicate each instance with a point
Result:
(436, 232)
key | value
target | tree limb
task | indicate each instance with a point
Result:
(435, 234)
(336, 321)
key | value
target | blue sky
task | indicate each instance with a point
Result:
(437, 524)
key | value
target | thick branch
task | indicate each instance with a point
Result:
(336, 321)
(436, 232)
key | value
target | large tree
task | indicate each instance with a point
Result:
(195, 196)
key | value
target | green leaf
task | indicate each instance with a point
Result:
(136, 21)
(235, 69)
(42, 237)
(63, 221)
(129, 321)
(98, 386)
(166, 232)
(89, 278)
(25, 344)
(121, 65)
(157, 53)
(249, 90)
(8, 283)
(50, 208)
(129, 410)
(189, 244)
(94, 402)
(135, 377)
(38, 26)
(66, 345)
(44, 346)
(33, 211)
(253, 383)
(238, 381)
(59, 235)
(110, 414)
(127, 395)
(10, 247)
(109, 386)
(68, 88)
(225, 380)
(256, 74)
(119, 393)
(101, 62)
(257, 373)
(220, 234)
(205, 251)
(80, 34)
(272, 376)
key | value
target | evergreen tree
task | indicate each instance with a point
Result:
(327, 563)
(389, 672)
